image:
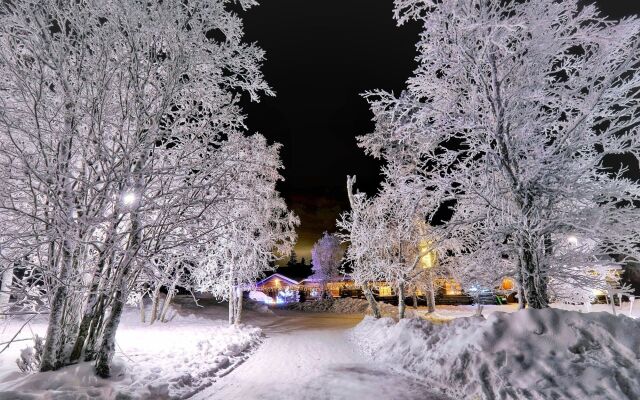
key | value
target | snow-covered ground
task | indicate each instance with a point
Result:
(321, 356)
(165, 360)
(529, 354)
(447, 313)
(308, 356)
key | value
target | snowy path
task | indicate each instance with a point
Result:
(309, 357)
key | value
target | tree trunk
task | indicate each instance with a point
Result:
(535, 283)
(613, 304)
(478, 305)
(232, 306)
(93, 301)
(107, 346)
(5, 290)
(155, 303)
(238, 317)
(401, 304)
(415, 299)
(375, 310)
(142, 311)
(50, 352)
(170, 295)
(83, 332)
(520, 286)
(94, 330)
(520, 291)
(165, 306)
(431, 294)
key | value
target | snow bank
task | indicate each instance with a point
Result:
(161, 361)
(532, 354)
(257, 306)
(449, 312)
(344, 306)
(258, 296)
(340, 306)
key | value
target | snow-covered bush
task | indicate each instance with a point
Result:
(30, 357)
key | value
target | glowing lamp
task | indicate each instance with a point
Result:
(129, 198)
(507, 284)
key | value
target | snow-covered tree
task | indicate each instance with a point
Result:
(326, 258)
(112, 119)
(257, 230)
(513, 120)
(387, 239)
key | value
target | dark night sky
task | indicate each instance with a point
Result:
(321, 54)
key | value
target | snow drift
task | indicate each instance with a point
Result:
(340, 306)
(532, 354)
(160, 361)
(344, 306)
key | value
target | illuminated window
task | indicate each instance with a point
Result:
(452, 288)
(385, 291)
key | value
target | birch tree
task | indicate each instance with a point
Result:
(5, 289)
(112, 117)
(258, 229)
(385, 235)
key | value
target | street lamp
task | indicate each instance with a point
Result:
(129, 198)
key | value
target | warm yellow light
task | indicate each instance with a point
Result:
(507, 284)
(428, 260)
(452, 288)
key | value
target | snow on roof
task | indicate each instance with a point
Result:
(280, 276)
(341, 278)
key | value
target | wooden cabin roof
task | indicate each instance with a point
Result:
(279, 276)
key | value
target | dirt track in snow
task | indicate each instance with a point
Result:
(310, 357)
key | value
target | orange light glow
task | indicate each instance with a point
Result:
(507, 284)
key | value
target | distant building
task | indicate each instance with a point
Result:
(280, 288)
